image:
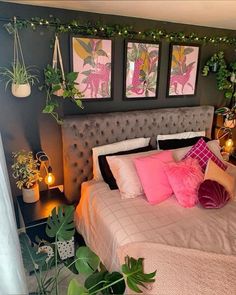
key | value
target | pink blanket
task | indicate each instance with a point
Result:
(184, 271)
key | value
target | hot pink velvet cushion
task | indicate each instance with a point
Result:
(185, 177)
(202, 153)
(152, 176)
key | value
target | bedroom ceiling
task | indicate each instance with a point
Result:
(220, 14)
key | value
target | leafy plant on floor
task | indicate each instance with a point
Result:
(55, 86)
(60, 226)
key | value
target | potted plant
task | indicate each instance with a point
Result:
(60, 227)
(21, 79)
(20, 76)
(56, 85)
(26, 171)
(225, 76)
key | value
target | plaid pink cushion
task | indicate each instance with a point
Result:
(201, 152)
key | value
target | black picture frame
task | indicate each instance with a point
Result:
(182, 69)
(135, 90)
(100, 80)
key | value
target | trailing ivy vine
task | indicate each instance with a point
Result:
(110, 30)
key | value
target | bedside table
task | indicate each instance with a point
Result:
(232, 160)
(35, 214)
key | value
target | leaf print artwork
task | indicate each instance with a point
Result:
(141, 70)
(92, 59)
(183, 70)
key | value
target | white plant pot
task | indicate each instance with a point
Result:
(31, 195)
(21, 90)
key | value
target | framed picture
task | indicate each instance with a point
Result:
(141, 70)
(183, 69)
(92, 58)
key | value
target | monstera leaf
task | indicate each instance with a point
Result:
(75, 288)
(133, 270)
(32, 259)
(61, 223)
(86, 261)
(105, 282)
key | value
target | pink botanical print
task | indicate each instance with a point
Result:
(183, 70)
(92, 59)
(141, 69)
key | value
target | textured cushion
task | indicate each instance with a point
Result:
(214, 172)
(152, 176)
(212, 195)
(181, 135)
(124, 145)
(202, 153)
(125, 173)
(213, 145)
(170, 144)
(185, 178)
(105, 169)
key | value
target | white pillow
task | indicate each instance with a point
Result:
(125, 174)
(116, 147)
(182, 135)
(213, 145)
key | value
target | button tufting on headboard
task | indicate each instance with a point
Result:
(81, 133)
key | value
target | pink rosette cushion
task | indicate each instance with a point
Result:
(152, 176)
(185, 177)
(202, 153)
(212, 195)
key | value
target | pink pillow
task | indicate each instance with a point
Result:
(152, 176)
(201, 152)
(125, 174)
(185, 177)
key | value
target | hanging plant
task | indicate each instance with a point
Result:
(225, 75)
(59, 84)
(19, 76)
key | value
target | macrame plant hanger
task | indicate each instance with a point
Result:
(18, 58)
(20, 81)
(58, 58)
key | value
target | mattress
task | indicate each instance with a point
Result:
(108, 222)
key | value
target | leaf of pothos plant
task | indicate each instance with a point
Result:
(72, 76)
(31, 258)
(135, 277)
(75, 288)
(48, 109)
(56, 87)
(61, 223)
(79, 103)
(87, 261)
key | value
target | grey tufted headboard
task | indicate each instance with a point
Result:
(81, 133)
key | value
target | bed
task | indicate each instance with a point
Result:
(191, 249)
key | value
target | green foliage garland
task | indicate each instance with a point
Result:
(103, 30)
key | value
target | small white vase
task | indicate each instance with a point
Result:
(21, 90)
(31, 195)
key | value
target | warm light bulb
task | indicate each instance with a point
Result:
(229, 146)
(229, 143)
(49, 179)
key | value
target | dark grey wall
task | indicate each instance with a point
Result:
(24, 126)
